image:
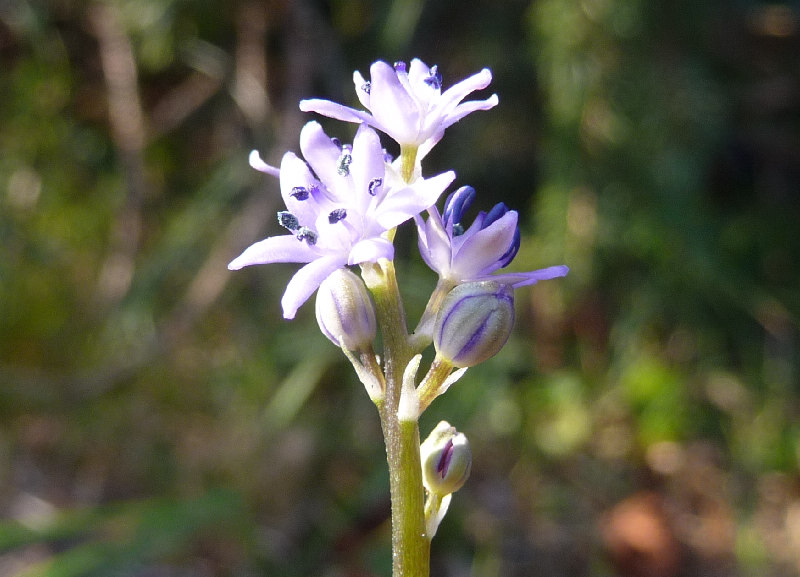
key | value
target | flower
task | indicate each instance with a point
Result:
(408, 103)
(345, 312)
(474, 322)
(474, 254)
(446, 460)
(339, 207)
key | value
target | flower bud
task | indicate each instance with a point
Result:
(345, 310)
(474, 322)
(446, 460)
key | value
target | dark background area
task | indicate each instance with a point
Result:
(159, 418)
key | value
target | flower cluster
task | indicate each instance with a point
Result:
(340, 204)
(344, 203)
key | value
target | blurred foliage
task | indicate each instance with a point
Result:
(158, 416)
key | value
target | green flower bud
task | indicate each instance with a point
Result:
(446, 460)
(345, 311)
(474, 322)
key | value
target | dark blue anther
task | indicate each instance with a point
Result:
(498, 210)
(373, 185)
(306, 234)
(456, 205)
(344, 164)
(336, 215)
(400, 66)
(435, 79)
(337, 142)
(287, 220)
(366, 87)
(299, 192)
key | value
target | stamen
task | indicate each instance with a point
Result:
(399, 66)
(299, 192)
(337, 215)
(337, 142)
(373, 186)
(458, 229)
(344, 164)
(306, 234)
(287, 220)
(457, 204)
(366, 86)
(435, 79)
(498, 210)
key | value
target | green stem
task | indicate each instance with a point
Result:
(409, 162)
(431, 384)
(410, 545)
(423, 334)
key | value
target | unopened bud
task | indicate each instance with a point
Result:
(446, 460)
(474, 322)
(345, 311)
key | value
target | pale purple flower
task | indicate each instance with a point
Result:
(407, 103)
(474, 254)
(340, 203)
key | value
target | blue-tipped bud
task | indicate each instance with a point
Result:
(345, 311)
(446, 460)
(474, 322)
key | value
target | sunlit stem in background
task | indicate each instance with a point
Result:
(410, 545)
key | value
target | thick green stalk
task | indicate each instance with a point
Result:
(410, 545)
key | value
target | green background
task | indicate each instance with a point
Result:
(158, 417)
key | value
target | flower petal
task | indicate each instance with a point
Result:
(402, 204)
(481, 253)
(370, 250)
(465, 108)
(258, 163)
(367, 166)
(434, 244)
(305, 281)
(392, 106)
(322, 154)
(520, 279)
(294, 173)
(457, 92)
(360, 83)
(334, 110)
(284, 248)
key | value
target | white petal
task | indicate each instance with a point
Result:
(258, 163)
(401, 205)
(284, 248)
(480, 254)
(333, 110)
(370, 250)
(392, 105)
(306, 281)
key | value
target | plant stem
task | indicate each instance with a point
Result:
(410, 544)
(409, 162)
